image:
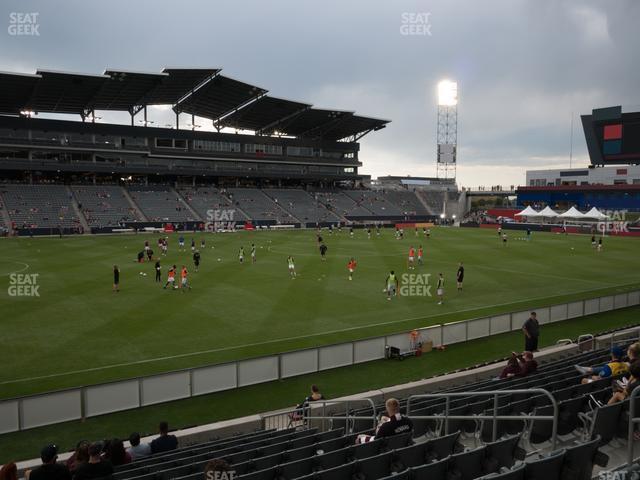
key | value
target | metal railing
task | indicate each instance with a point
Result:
(495, 417)
(301, 417)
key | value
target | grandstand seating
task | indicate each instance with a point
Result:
(160, 204)
(105, 205)
(301, 205)
(259, 206)
(205, 199)
(342, 204)
(426, 453)
(407, 201)
(39, 206)
(375, 201)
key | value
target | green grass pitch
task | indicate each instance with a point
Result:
(79, 332)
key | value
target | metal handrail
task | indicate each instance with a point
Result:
(632, 421)
(624, 334)
(495, 416)
(315, 405)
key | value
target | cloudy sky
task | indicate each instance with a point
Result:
(524, 68)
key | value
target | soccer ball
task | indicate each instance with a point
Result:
(219, 259)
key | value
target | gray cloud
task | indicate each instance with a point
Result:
(523, 67)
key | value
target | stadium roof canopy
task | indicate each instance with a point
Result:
(201, 92)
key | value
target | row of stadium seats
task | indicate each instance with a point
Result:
(50, 206)
(439, 449)
(104, 206)
(37, 206)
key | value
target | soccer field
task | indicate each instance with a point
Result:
(77, 331)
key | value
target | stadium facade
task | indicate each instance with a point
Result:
(610, 181)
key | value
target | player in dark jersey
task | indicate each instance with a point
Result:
(323, 251)
(460, 276)
(116, 278)
(196, 260)
(158, 269)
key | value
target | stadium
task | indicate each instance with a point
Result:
(207, 280)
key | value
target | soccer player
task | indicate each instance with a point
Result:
(599, 249)
(253, 253)
(412, 254)
(181, 243)
(420, 255)
(424, 231)
(171, 278)
(369, 233)
(499, 231)
(193, 244)
(440, 289)
(116, 279)
(417, 231)
(593, 241)
(323, 252)
(528, 234)
(331, 229)
(292, 266)
(141, 257)
(428, 233)
(391, 285)
(146, 245)
(158, 269)
(196, 260)
(149, 254)
(377, 230)
(504, 239)
(241, 255)
(183, 279)
(351, 266)
(402, 234)
(351, 232)
(460, 276)
(202, 244)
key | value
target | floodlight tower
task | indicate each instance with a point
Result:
(447, 129)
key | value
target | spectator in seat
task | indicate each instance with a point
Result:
(50, 469)
(611, 369)
(137, 449)
(164, 442)
(79, 457)
(300, 408)
(633, 353)
(116, 453)
(9, 471)
(397, 423)
(527, 364)
(513, 367)
(96, 467)
(623, 389)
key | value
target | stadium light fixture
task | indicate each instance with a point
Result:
(447, 93)
(442, 215)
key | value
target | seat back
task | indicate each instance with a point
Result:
(467, 465)
(502, 453)
(605, 422)
(579, 460)
(516, 473)
(548, 467)
(376, 467)
(431, 471)
(442, 447)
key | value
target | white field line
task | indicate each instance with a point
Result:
(278, 340)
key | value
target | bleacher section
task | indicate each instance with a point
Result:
(375, 201)
(160, 204)
(259, 206)
(301, 205)
(464, 449)
(407, 201)
(342, 204)
(39, 206)
(105, 205)
(205, 199)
